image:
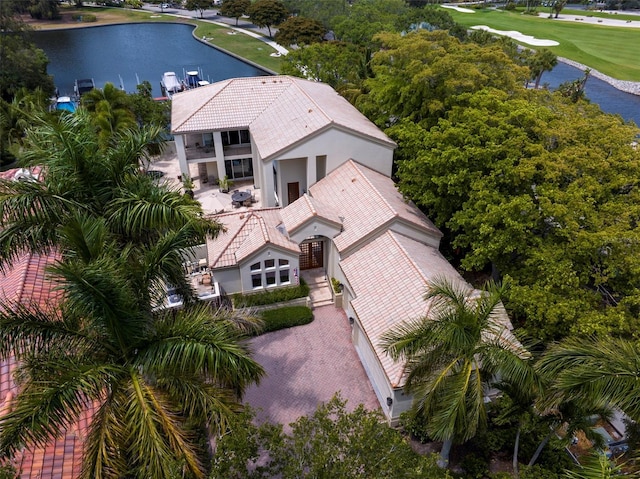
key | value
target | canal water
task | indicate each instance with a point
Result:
(126, 54)
(132, 53)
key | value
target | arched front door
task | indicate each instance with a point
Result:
(312, 255)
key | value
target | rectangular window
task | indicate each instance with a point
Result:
(235, 137)
(269, 263)
(255, 266)
(284, 276)
(283, 262)
(256, 280)
(242, 168)
(207, 139)
(271, 278)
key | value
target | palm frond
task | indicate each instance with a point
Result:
(47, 405)
(156, 434)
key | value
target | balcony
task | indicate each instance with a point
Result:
(198, 152)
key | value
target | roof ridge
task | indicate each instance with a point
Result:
(270, 104)
(406, 254)
(232, 239)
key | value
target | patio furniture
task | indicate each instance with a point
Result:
(206, 279)
(241, 196)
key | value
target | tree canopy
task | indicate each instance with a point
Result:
(267, 13)
(235, 8)
(543, 190)
(299, 31)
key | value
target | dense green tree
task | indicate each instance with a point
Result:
(331, 443)
(299, 31)
(235, 8)
(45, 10)
(23, 64)
(323, 12)
(421, 75)
(453, 355)
(540, 190)
(366, 18)
(198, 5)
(146, 110)
(344, 66)
(267, 13)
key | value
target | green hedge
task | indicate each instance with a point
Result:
(270, 297)
(287, 317)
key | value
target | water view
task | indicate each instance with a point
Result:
(126, 54)
(134, 52)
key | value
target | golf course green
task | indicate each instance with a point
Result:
(608, 49)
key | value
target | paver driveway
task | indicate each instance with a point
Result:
(306, 366)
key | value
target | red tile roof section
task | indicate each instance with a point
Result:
(26, 282)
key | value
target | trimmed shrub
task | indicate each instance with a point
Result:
(287, 317)
(270, 297)
(336, 285)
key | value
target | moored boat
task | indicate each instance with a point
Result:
(65, 103)
(83, 86)
(170, 84)
(193, 79)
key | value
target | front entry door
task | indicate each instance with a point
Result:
(312, 255)
(293, 192)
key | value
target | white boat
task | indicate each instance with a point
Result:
(193, 79)
(65, 103)
(170, 84)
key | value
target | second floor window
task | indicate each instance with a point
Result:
(236, 137)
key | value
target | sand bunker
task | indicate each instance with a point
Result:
(519, 37)
(459, 9)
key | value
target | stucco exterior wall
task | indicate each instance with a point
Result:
(373, 368)
(229, 280)
(267, 253)
(338, 146)
(291, 170)
(315, 228)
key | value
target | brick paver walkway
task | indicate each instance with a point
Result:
(306, 366)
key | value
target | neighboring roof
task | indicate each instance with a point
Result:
(247, 232)
(279, 111)
(389, 277)
(306, 208)
(367, 200)
(25, 282)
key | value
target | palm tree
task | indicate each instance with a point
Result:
(453, 355)
(155, 378)
(110, 109)
(598, 466)
(106, 183)
(599, 371)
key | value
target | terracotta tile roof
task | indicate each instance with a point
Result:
(26, 282)
(247, 232)
(279, 111)
(391, 288)
(368, 201)
(306, 208)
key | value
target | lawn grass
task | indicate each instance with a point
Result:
(239, 44)
(610, 50)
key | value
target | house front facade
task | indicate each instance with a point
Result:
(282, 133)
